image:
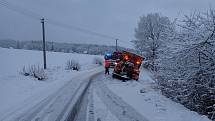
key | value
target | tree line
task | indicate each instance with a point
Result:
(92, 49)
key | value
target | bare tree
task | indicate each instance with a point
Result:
(151, 32)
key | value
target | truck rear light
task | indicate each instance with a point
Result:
(138, 62)
(126, 57)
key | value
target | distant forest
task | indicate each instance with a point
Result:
(92, 49)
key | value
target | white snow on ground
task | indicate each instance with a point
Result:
(151, 103)
(118, 107)
(17, 91)
(101, 111)
(12, 60)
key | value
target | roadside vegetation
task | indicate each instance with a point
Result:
(181, 53)
(34, 71)
(72, 65)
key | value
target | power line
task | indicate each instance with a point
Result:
(19, 10)
(67, 26)
(49, 21)
(36, 16)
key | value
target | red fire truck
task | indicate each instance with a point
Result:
(128, 67)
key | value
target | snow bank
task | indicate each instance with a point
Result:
(150, 102)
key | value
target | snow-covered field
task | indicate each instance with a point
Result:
(12, 60)
(26, 98)
(17, 90)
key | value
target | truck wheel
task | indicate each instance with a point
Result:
(113, 76)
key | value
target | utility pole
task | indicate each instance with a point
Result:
(44, 43)
(116, 44)
(52, 48)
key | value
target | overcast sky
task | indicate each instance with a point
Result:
(116, 18)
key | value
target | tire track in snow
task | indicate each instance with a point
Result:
(65, 98)
(47, 106)
(90, 110)
(122, 110)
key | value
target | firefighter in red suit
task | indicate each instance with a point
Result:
(107, 66)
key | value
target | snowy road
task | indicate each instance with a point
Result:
(114, 100)
(60, 105)
(115, 108)
(95, 97)
(74, 102)
(118, 107)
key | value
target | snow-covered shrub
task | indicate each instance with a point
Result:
(98, 61)
(201, 92)
(34, 71)
(24, 71)
(196, 93)
(72, 65)
(197, 89)
(187, 74)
